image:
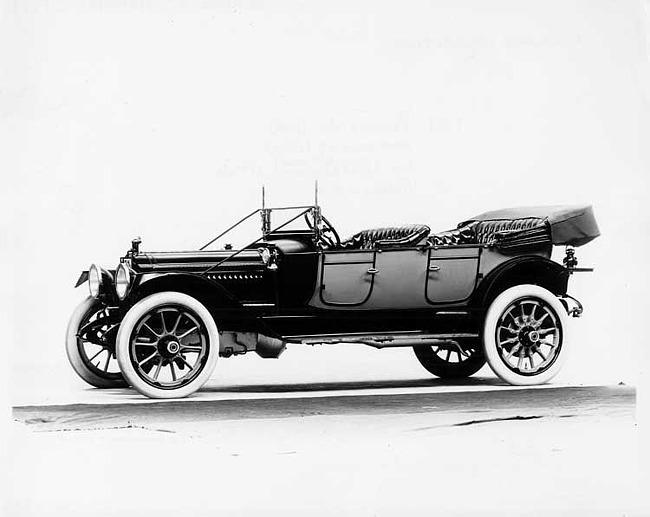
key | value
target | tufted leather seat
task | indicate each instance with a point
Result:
(465, 234)
(505, 233)
(396, 236)
(487, 231)
(512, 234)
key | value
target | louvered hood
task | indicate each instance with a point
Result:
(247, 261)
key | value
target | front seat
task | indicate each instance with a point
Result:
(394, 236)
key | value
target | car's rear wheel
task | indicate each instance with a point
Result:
(167, 345)
(524, 335)
(451, 361)
(90, 345)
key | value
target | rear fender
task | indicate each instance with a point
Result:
(521, 270)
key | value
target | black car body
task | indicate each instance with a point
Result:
(385, 287)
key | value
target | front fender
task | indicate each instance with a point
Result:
(83, 277)
(205, 290)
(229, 313)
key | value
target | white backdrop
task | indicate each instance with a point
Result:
(163, 119)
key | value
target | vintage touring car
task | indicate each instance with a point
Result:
(484, 291)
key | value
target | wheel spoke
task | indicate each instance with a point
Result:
(509, 329)
(108, 360)
(157, 372)
(171, 366)
(546, 331)
(540, 353)
(145, 325)
(188, 332)
(521, 358)
(191, 348)
(162, 320)
(148, 358)
(178, 320)
(93, 357)
(144, 343)
(448, 354)
(512, 316)
(186, 363)
(514, 350)
(541, 320)
(530, 359)
(509, 341)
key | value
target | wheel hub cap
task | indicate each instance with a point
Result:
(528, 337)
(169, 347)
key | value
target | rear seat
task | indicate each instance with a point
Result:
(532, 230)
(462, 235)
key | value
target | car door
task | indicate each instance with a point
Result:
(346, 277)
(399, 279)
(451, 273)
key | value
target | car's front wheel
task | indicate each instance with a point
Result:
(524, 335)
(452, 361)
(90, 345)
(167, 345)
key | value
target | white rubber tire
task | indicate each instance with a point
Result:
(494, 313)
(134, 315)
(79, 317)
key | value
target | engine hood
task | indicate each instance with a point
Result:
(196, 261)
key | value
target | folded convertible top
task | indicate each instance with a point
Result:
(572, 225)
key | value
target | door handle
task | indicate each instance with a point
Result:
(434, 268)
(372, 271)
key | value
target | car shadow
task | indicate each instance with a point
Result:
(121, 394)
(350, 385)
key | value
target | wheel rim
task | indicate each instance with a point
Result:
(96, 344)
(529, 336)
(169, 347)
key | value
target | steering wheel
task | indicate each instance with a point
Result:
(328, 235)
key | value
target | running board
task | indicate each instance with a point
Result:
(384, 340)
